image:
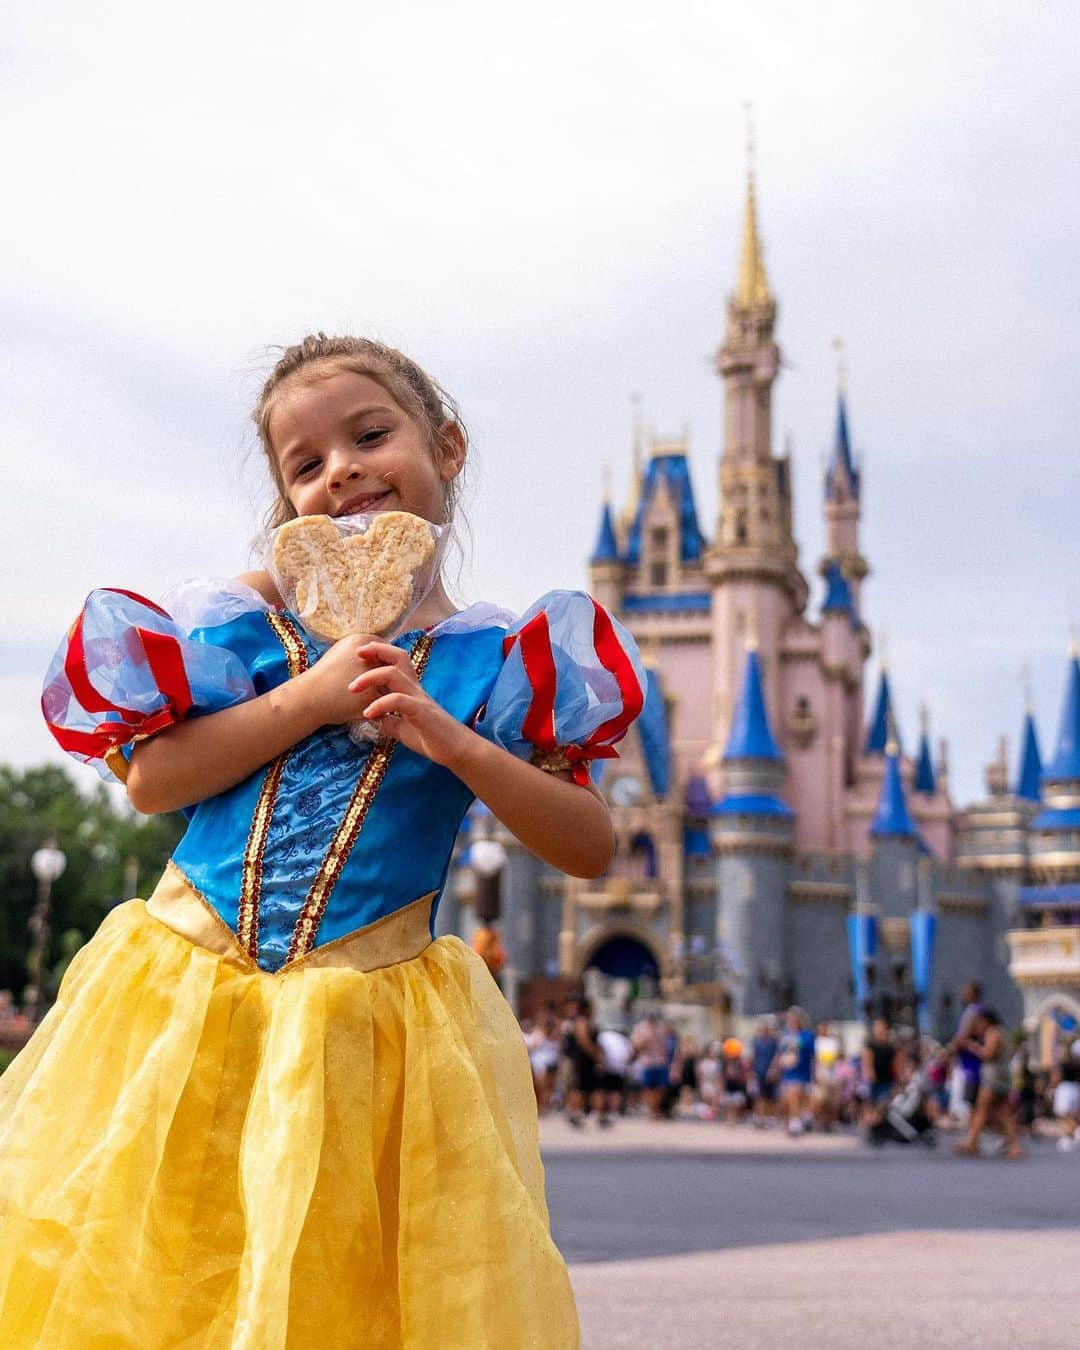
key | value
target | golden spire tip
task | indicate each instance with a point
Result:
(752, 284)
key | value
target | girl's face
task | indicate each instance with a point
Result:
(343, 446)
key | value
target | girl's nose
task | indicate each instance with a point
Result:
(343, 469)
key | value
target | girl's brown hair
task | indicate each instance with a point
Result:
(416, 393)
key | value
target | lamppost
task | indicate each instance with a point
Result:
(487, 858)
(47, 865)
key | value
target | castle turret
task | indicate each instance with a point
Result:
(993, 834)
(893, 819)
(877, 734)
(753, 562)
(607, 549)
(1055, 831)
(1046, 963)
(1028, 782)
(752, 832)
(925, 780)
(606, 570)
(896, 850)
(842, 508)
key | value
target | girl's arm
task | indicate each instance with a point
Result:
(560, 822)
(565, 825)
(206, 755)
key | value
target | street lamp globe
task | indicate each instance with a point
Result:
(48, 863)
(487, 857)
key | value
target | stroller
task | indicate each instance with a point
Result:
(905, 1119)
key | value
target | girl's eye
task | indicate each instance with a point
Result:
(307, 468)
(374, 434)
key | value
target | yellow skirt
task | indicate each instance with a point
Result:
(194, 1153)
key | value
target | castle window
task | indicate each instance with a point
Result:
(740, 528)
(642, 856)
(659, 539)
(658, 574)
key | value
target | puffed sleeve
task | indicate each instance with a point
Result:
(127, 670)
(569, 688)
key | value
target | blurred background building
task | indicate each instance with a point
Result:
(757, 807)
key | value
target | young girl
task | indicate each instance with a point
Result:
(268, 1110)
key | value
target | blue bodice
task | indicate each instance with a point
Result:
(335, 834)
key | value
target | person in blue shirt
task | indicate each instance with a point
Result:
(796, 1059)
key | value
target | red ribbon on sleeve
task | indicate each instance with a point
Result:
(538, 726)
(165, 660)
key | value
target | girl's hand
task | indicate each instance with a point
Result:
(326, 685)
(397, 703)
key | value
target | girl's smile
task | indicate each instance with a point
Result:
(372, 502)
(342, 446)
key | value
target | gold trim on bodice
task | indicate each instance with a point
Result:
(374, 771)
(247, 912)
(396, 937)
(337, 855)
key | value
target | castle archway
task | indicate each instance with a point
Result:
(1056, 1024)
(620, 951)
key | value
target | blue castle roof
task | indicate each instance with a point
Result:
(925, 779)
(877, 737)
(1066, 894)
(841, 463)
(607, 548)
(753, 804)
(653, 729)
(893, 820)
(837, 592)
(675, 472)
(1030, 762)
(751, 736)
(1066, 762)
(1065, 818)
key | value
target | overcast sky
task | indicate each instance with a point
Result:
(542, 205)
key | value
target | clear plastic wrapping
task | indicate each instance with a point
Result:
(355, 574)
(364, 573)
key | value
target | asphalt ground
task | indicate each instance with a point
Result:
(620, 1205)
(712, 1241)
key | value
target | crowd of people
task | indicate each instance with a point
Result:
(795, 1075)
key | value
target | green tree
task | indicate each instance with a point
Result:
(99, 838)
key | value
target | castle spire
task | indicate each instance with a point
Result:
(883, 723)
(1066, 762)
(753, 768)
(752, 284)
(607, 548)
(841, 477)
(751, 736)
(924, 765)
(893, 819)
(1027, 784)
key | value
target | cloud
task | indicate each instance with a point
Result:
(543, 206)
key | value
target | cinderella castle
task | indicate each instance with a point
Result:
(775, 842)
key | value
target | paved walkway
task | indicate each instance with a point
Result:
(638, 1134)
(911, 1290)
